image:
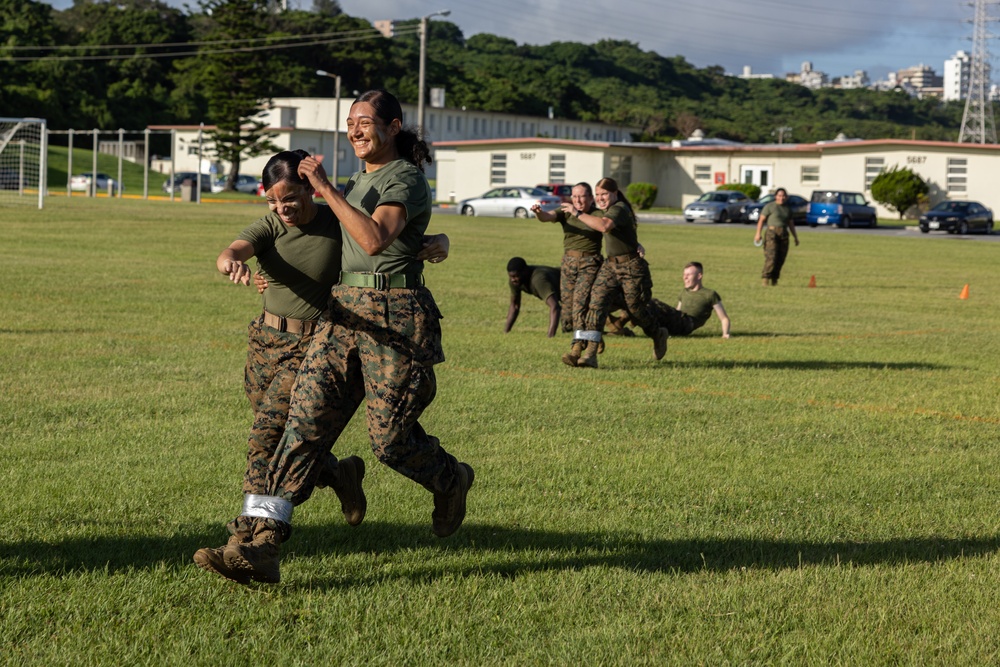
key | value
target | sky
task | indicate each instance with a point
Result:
(771, 36)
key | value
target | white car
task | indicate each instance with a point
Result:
(509, 200)
(244, 183)
(81, 182)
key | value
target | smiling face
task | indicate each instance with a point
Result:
(292, 202)
(692, 277)
(582, 199)
(780, 197)
(373, 140)
(605, 198)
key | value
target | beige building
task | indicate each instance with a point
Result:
(683, 171)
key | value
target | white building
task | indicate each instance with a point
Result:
(957, 72)
(308, 123)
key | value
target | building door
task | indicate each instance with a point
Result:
(759, 175)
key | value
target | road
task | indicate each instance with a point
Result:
(909, 231)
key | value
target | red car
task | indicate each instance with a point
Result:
(562, 190)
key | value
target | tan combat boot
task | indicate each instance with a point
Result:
(258, 559)
(449, 508)
(571, 357)
(353, 503)
(589, 356)
(212, 560)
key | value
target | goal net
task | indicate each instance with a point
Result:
(23, 161)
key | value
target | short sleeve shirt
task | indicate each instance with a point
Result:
(299, 263)
(778, 215)
(622, 238)
(544, 283)
(578, 236)
(398, 182)
(698, 304)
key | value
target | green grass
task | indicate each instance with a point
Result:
(819, 489)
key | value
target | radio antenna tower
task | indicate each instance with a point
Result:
(977, 121)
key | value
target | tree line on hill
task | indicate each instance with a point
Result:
(220, 58)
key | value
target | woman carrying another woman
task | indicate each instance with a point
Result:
(380, 344)
(624, 270)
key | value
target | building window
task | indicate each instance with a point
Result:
(557, 168)
(458, 123)
(810, 175)
(621, 169)
(449, 123)
(957, 173)
(873, 167)
(498, 168)
(703, 172)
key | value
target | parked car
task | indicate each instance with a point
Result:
(562, 190)
(717, 206)
(509, 200)
(799, 205)
(244, 183)
(81, 182)
(844, 209)
(957, 216)
(181, 176)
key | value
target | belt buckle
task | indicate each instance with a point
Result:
(381, 281)
(282, 324)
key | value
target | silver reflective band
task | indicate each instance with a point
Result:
(267, 507)
(588, 335)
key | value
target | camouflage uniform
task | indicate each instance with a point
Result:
(775, 252)
(580, 263)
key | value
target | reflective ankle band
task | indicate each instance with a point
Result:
(587, 335)
(267, 507)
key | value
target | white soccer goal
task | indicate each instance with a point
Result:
(23, 160)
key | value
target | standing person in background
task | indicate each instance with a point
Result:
(539, 281)
(580, 263)
(625, 269)
(777, 215)
(298, 248)
(380, 344)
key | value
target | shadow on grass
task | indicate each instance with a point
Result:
(505, 551)
(768, 364)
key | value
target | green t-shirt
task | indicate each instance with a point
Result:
(698, 304)
(578, 236)
(778, 215)
(399, 182)
(544, 283)
(299, 263)
(622, 238)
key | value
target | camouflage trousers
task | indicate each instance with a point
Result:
(629, 279)
(380, 347)
(575, 282)
(775, 251)
(273, 360)
(671, 319)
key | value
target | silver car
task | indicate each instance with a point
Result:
(718, 206)
(509, 200)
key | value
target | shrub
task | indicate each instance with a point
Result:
(642, 195)
(898, 189)
(749, 189)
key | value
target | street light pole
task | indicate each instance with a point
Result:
(423, 66)
(336, 123)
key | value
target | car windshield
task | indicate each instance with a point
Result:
(536, 192)
(952, 207)
(766, 199)
(714, 196)
(826, 198)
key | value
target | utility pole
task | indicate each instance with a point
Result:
(336, 123)
(781, 132)
(977, 121)
(423, 66)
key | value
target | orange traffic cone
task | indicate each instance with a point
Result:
(965, 292)
(812, 281)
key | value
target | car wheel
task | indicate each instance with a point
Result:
(963, 228)
(724, 217)
(468, 210)
(874, 222)
(989, 228)
(845, 222)
(924, 230)
(521, 213)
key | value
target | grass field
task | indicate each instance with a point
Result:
(820, 489)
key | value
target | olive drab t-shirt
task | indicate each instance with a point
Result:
(578, 236)
(398, 182)
(544, 283)
(622, 238)
(698, 304)
(777, 215)
(299, 263)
